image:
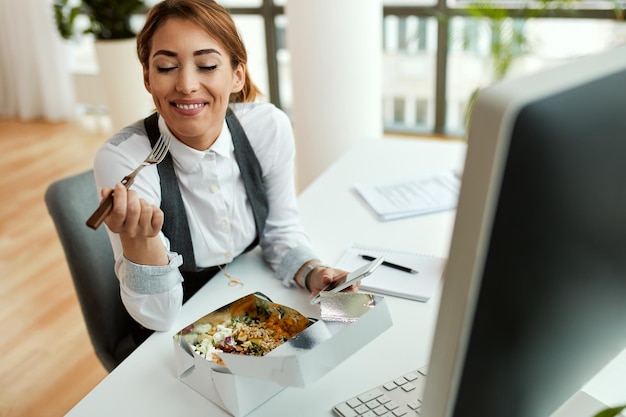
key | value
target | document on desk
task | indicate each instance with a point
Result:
(405, 197)
(403, 274)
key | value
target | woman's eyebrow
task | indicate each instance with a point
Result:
(206, 51)
(164, 52)
(196, 53)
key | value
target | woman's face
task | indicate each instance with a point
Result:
(190, 77)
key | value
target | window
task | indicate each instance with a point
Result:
(434, 58)
(398, 110)
(421, 112)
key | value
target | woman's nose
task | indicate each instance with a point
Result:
(187, 81)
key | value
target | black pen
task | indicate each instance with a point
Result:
(390, 265)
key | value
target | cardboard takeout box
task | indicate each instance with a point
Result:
(240, 383)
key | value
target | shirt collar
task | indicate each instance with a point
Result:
(188, 158)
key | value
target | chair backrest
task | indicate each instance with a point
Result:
(70, 202)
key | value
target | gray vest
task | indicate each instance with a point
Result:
(176, 225)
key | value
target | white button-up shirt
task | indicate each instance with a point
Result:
(220, 219)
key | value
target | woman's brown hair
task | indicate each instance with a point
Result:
(210, 16)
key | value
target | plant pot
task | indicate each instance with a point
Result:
(121, 78)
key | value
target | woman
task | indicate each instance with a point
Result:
(227, 182)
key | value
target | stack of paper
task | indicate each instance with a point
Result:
(421, 194)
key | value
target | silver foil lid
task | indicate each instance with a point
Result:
(345, 306)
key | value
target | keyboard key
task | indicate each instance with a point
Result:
(344, 410)
(390, 386)
(354, 402)
(410, 376)
(370, 395)
(380, 410)
(414, 405)
(400, 381)
(408, 387)
(383, 399)
(391, 405)
(372, 404)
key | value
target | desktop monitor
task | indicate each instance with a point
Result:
(533, 303)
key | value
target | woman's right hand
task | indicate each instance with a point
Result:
(132, 216)
(138, 223)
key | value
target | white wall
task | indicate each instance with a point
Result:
(336, 51)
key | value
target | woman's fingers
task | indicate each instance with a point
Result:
(323, 277)
(131, 215)
(150, 220)
(116, 219)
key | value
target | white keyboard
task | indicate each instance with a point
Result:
(399, 397)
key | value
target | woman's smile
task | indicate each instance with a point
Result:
(190, 108)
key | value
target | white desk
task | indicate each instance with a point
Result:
(145, 384)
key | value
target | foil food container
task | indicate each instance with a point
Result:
(240, 383)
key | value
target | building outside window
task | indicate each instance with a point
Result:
(432, 63)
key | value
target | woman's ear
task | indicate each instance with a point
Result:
(239, 78)
(146, 80)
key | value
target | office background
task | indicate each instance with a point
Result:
(431, 58)
(433, 53)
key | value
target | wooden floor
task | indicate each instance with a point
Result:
(46, 361)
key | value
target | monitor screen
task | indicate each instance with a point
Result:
(534, 296)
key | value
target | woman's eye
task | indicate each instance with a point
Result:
(165, 69)
(207, 68)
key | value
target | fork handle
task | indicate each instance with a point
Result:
(101, 212)
(105, 206)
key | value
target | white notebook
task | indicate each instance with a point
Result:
(419, 286)
(405, 197)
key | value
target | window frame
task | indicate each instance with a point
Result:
(270, 11)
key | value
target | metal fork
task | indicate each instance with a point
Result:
(154, 157)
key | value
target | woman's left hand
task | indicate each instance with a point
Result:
(321, 277)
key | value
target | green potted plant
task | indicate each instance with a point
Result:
(507, 45)
(120, 76)
(108, 19)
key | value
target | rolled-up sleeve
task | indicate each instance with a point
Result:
(152, 295)
(291, 262)
(150, 279)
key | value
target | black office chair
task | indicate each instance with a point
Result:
(90, 259)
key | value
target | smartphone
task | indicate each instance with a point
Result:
(354, 276)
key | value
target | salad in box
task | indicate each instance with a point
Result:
(252, 325)
(245, 352)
